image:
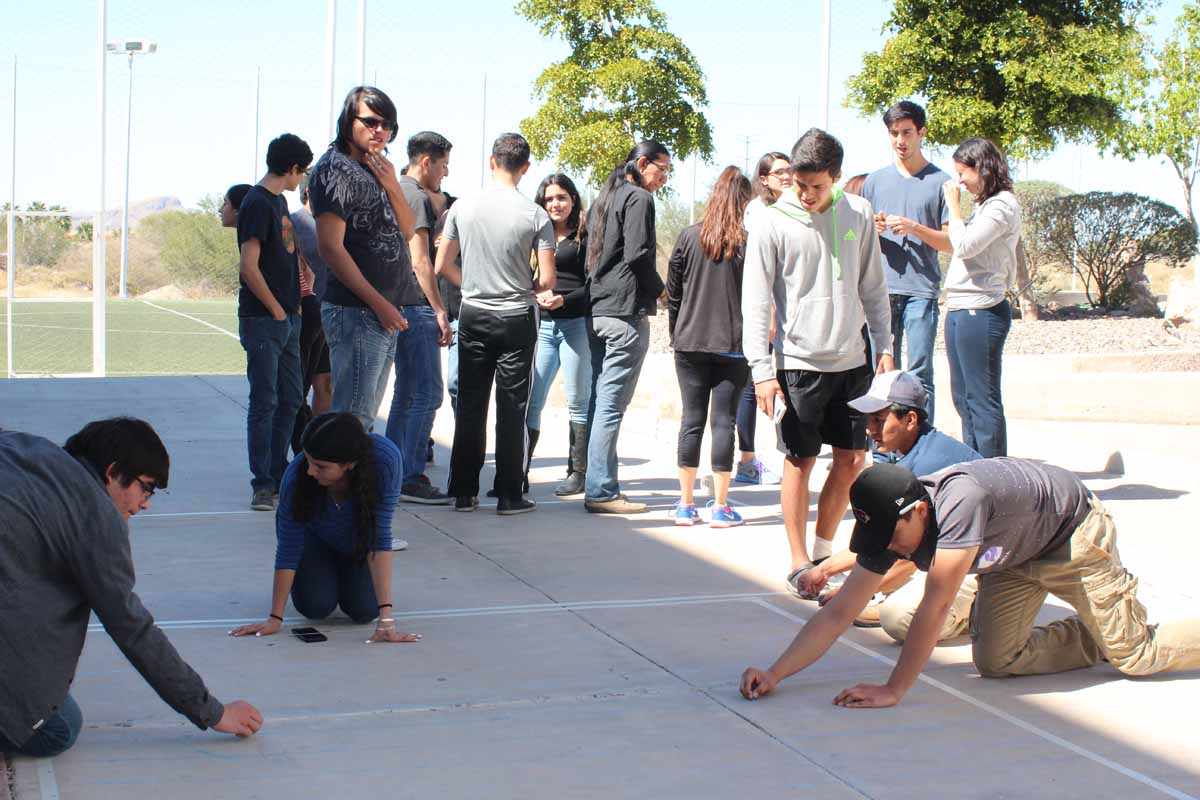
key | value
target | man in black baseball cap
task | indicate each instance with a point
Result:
(1026, 529)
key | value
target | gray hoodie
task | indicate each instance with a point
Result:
(824, 275)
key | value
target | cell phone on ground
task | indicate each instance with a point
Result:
(309, 635)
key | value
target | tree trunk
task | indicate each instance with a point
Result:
(1029, 307)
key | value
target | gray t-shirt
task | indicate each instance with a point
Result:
(423, 219)
(911, 265)
(1012, 509)
(498, 230)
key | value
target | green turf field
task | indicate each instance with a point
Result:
(159, 337)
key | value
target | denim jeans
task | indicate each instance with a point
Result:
(562, 341)
(417, 392)
(916, 318)
(360, 354)
(327, 579)
(619, 346)
(56, 734)
(974, 345)
(273, 370)
(452, 366)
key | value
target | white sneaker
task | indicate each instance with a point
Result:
(398, 544)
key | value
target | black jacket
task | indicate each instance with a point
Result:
(64, 553)
(704, 298)
(624, 281)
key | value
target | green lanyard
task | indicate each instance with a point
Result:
(804, 215)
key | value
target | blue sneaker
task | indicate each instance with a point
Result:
(723, 516)
(755, 472)
(685, 514)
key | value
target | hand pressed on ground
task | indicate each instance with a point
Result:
(240, 719)
(866, 695)
(265, 628)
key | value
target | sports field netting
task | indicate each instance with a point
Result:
(159, 337)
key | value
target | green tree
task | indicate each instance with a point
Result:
(1112, 236)
(1035, 198)
(1168, 123)
(1026, 74)
(193, 248)
(40, 240)
(627, 78)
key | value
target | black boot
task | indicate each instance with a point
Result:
(533, 440)
(576, 462)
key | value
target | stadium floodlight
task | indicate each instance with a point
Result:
(131, 48)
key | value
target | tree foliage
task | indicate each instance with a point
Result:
(1167, 124)
(1026, 74)
(1108, 235)
(40, 240)
(1035, 198)
(627, 78)
(194, 250)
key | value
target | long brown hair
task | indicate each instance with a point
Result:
(722, 233)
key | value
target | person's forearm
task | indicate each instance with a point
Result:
(427, 280)
(403, 211)
(380, 566)
(922, 637)
(252, 276)
(937, 238)
(350, 276)
(280, 589)
(837, 563)
(817, 636)
(547, 279)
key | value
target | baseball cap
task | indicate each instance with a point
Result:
(880, 496)
(896, 386)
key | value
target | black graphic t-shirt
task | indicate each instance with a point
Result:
(264, 216)
(340, 185)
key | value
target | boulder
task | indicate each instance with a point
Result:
(1183, 304)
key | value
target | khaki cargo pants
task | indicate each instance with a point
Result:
(1109, 623)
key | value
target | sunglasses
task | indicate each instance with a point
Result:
(371, 123)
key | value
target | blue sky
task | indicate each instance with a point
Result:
(193, 123)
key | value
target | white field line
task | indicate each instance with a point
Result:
(47, 783)
(123, 330)
(484, 611)
(193, 319)
(1078, 750)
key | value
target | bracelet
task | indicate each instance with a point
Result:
(275, 616)
(386, 619)
(384, 605)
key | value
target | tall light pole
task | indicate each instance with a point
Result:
(129, 48)
(825, 55)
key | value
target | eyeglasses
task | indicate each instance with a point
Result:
(371, 123)
(148, 488)
(782, 172)
(664, 169)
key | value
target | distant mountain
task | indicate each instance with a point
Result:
(137, 211)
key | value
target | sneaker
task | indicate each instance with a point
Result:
(398, 544)
(755, 472)
(424, 480)
(617, 505)
(519, 505)
(793, 583)
(263, 500)
(466, 503)
(426, 495)
(723, 516)
(684, 514)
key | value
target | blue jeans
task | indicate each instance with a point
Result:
(916, 318)
(619, 346)
(360, 355)
(974, 345)
(452, 366)
(417, 393)
(56, 734)
(565, 341)
(273, 370)
(327, 579)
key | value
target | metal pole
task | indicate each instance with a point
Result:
(692, 208)
(330, 51)
(257, 105)
(125, 205)
(99, 287)
(11, 265)
(799, 100)
(483, 170)
(362, 42)
(825, 55)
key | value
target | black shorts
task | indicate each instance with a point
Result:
(314, 350)
(817, 412)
